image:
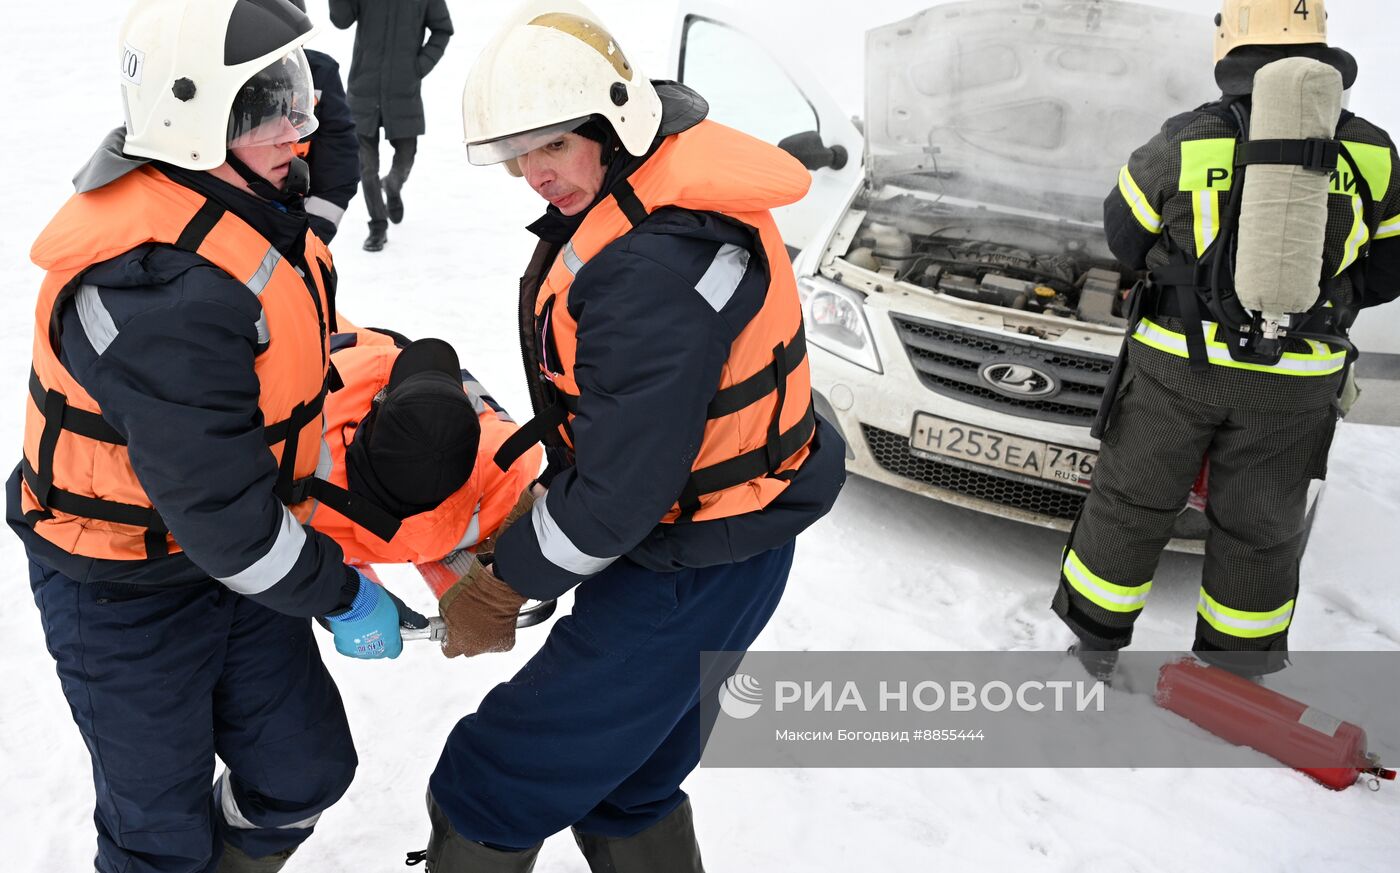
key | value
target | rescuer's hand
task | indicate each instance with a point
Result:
(519, 510)
(480, 611)
(370, 627)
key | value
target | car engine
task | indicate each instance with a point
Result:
(1043, 271)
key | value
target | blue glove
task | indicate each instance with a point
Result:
(370, 627)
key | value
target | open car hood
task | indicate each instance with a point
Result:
(1031, 104)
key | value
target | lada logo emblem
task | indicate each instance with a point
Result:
(1018, 380)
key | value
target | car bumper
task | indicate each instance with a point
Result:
(875, 413)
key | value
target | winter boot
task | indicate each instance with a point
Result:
(378, 236)
(1098, 663)
(668, 845)
(235, 860)
(393, 197)
(450, 852)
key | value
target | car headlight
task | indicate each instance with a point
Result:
(835, 318)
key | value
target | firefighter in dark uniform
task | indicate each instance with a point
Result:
(663, 341)
(172, 440)
(1194, 386)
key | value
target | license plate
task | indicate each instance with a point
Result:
(952, 439)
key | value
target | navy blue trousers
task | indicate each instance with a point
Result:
(159, 682)
(600, 728)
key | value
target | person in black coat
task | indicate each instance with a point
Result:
(387, 68)
(332, 152)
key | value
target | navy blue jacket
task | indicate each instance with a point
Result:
(178, 384)
(335, 154)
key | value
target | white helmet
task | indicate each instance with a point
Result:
(550, 69)
(199, 74)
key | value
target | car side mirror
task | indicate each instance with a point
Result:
(808, 148)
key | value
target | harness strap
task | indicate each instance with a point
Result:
(1318, 155)
(362, 511)
(1196, 355)
(629, 203)
(755, 463)
(95, 508)
(70, 418)
(529, 433)
(728, 401)
(200, 226)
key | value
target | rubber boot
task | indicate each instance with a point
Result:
(393, 197)
(450, 852)
(234, 860)
(1098, 663)
(378, 236)
(669, 845)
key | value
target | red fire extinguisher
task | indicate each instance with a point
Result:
(1239, 711)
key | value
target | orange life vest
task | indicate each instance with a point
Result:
(472, 513)
(79, 490)
(761, 418)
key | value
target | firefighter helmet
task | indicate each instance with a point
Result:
(198, 75)
(1269, 22)
(550, 69)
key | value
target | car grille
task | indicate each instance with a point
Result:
(891, 451)
(949, 361)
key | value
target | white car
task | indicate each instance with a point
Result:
(962, 307)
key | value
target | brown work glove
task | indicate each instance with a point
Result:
(480, 611)
(522, 507)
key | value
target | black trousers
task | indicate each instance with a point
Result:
(1261, 462)
(405, 150)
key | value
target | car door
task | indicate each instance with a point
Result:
(767, 93)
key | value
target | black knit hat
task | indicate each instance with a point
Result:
(419, 441)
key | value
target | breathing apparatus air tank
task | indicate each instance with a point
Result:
(1283, 207)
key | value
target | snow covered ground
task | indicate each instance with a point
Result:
(886, 570)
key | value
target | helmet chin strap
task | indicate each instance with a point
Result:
(296, 186)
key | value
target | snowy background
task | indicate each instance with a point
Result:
(886, 570)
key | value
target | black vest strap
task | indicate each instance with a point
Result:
(51, 498)
(629, 203)
(192, 237)
(753, 464)
(531, 432)
(361, 510)
(301, 415)
(69, 418)
(758, 386)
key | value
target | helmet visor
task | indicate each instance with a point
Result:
(494, 151)
(278, 105)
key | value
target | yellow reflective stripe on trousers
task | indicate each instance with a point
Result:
(1137, 201)
(1389, 228)
(1241, 623)
(1358, 236)
(1114, 598)
(1321, 361)
(1205, 206)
